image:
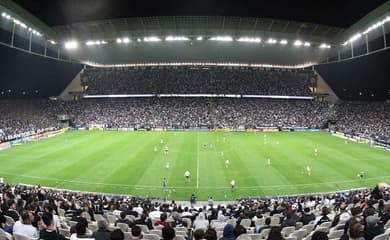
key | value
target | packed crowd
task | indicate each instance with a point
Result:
(20, 117)
(359, 118)
(43, 213)
(190, 80)
(199, 112)
(368, 119)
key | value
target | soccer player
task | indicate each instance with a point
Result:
(161, 141)
(308, 170)
(166, 150)
(222, 154)
(164, 184)
(187, 176)
(227, 163)
(361, 175)
(269, 162)
(155, 149)
(167, 165)
(315, 152)
(232, 184)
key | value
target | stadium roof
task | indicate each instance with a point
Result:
(338, 14)
(90, 20)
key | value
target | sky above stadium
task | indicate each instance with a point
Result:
(341, 13)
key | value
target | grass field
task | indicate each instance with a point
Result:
(126, 163)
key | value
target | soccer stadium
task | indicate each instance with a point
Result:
(194, 120)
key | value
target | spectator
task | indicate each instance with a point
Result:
(228, 233)
(136, 233)
(117, 234)
(168, 233)
(50, 231)
(3, 234)
(102, 233)
(275, 234)
(25, 227)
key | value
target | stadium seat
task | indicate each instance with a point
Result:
(286, 231)
(123, 226)
(128, 236)
(298, 225)
(254, 236)
(158, 232)
(246, 222)
(383, 236)
(290, 238)
(299, 234)
(264, 233)
(232, 222)
(335, 234)
(148, 236)
(144, 228)
(93, 227)
(9, 220)
(308, 227)
(180, 237)
(322, 229)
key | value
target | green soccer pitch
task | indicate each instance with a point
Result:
(127, 163)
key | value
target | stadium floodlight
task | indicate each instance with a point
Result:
(324, 45)
(298, 43)
(3, 14)
(355, 37)
(173, 38)
(89, 43)
(200, 38)
(23, 25)
(272, 41)
(248, 39)
(307, 44)
(222, 38)
(52, 42)
(126, 40)
(7, 16)
(118, 40)
(152, 39)
(71, 44)
(283, 42)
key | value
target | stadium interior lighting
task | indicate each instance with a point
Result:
(71, 45)
(298, 43)
(126, 40)
(89, 43)
(248, 39)
(307, 44)
(118, 40)
(200, 38)
(3, 14)
(355, 37)
(283, 42)
(272, 41)
(222, 39)
(324, 45)
(52, 42)
(139, 40)
(98, 42)
(173, 38)
(152, 39)
(369, 29)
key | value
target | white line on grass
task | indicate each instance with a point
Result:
(188, 187)
(197, 160)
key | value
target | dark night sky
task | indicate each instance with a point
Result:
(341, 13)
